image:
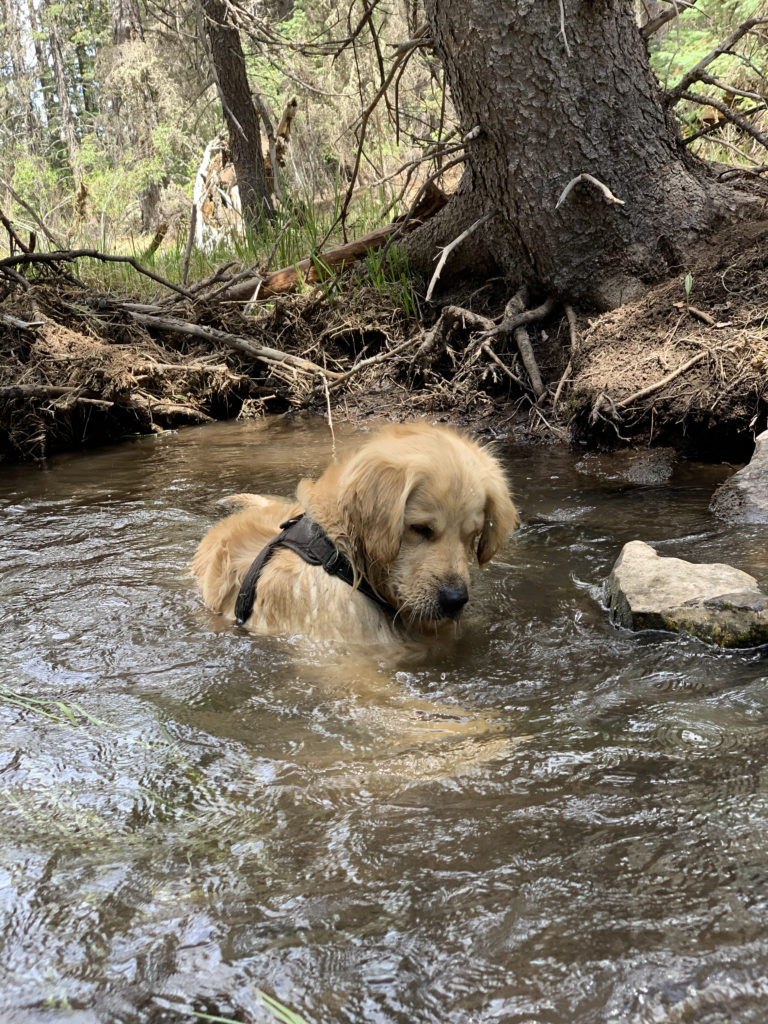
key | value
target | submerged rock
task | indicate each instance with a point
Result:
(744, 497)
(642, 467)
(712, 601)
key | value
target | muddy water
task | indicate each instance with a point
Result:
(555, 821)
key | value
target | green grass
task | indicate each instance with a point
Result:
(55, 710)
(279, 1011)
(304, 228)
(297, 232)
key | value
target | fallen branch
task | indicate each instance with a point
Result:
(234, 341)
(381, 357)
(651, 388)
(486, 348)
(48, 392)
(712, 128)
(70, 255)
(173, 409)
(12, 234)
(20, 325)
(317, 268)
(403, 224)
(35, 217)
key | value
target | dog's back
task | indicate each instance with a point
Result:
(227, 551)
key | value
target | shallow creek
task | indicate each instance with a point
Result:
(553, 821)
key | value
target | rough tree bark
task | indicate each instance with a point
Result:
(561, 88)
(239, 111)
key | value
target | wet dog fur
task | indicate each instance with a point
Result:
(412, 509)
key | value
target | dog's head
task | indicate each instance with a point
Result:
(412, 510)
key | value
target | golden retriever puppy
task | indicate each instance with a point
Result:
(377, 549)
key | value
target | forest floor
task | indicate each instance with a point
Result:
(685, 366)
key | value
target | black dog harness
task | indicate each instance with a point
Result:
(313, 544)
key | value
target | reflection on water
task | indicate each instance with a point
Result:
(554, 821)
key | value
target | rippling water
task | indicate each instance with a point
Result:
(556, 821)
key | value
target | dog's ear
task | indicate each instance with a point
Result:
(361, 504)
(501, 516)
(374, 492)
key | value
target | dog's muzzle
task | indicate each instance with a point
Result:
(451, 598)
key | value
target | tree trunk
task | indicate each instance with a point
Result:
(126, 21)
(239, 112)
(14, 44)
(43, 71)
(66, 118)
(555, 99)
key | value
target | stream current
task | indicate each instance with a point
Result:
(553, 821)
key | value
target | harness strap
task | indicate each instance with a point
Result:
(310, 541)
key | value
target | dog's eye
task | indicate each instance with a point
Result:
(423, 530)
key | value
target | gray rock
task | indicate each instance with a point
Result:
(744, 497)
(712, 601)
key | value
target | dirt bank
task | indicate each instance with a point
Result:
(686, 365)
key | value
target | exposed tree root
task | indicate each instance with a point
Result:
(78, 368)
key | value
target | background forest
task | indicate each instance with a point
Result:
(107, 107)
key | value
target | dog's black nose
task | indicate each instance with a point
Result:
(451, 598)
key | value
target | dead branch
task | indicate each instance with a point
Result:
(562, 29)
(651, 388)
(190, 243)
(749, 172)
(728, 114)
(35, 217)
(239, 344)
(487, 350)
(12, 234)
(156, 242)
(20, 325)
(673, 95)
(188, 412)
(571, 317)
(70, 255)
(590, 179)
(422, 195)
(49, 392)
(731, 90)
(651, 27)
(448, 249)
(381, 357)
(419, 40)
(315, 269)
(712, 128)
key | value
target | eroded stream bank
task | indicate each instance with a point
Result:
(555, 819)
(684, 366)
